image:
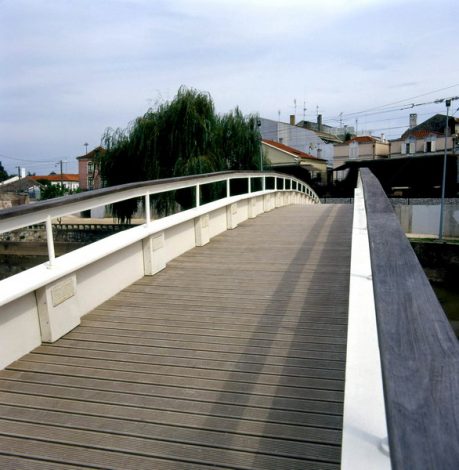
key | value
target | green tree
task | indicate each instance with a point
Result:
(50, 191)
(3, 174)
(181, 137)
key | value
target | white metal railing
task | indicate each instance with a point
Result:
(44, 211)
(46, 301)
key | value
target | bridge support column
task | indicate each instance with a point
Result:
(253, 208)
(58, 309)
(201, 230)
(153, 254)
(231, 213)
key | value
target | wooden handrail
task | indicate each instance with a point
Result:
(419, 351)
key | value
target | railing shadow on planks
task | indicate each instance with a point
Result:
(45, 302)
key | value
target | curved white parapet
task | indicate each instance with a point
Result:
(364, 420)
(45, 302)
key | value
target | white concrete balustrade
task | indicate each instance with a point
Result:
(45, 302)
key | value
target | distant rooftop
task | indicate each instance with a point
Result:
(58, 177)
(291, 150)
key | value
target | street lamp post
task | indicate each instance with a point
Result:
(443, 182)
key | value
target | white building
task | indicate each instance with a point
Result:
(301, 139)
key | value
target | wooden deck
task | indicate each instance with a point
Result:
(232, 357)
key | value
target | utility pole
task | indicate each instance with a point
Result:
(61, 163)
(443, 181)
(86, 145)
(62, 175)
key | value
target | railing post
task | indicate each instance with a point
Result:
(50, 241)
(228, 191)
(263, 183)
(250, 184)
(283, 184)
(275, 183)
(147, 210)
(198, 195)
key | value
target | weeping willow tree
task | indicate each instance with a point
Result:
(181, 137)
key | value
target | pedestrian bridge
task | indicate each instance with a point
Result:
(262, 330)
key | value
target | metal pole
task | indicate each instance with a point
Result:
(198, 195)
(443, 182)
(147, 210)
(62, 175)
(50, 242)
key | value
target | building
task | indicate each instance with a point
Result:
(410, 165)
(330, 134)
(89, 170)
(301, 139)
(288, 160)
(359, 148)
(69, 181)
(427, 138)
(16, 191)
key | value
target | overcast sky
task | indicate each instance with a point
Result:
(72, 68)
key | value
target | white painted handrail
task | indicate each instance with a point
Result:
(46, 301)
(24, 216)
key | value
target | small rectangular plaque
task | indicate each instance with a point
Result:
(63, 291)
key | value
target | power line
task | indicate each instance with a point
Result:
(25, 160)
(401, 101)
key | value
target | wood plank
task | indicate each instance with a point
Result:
(329, 370)
(228, 358)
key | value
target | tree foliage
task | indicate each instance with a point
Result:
(50, 191)
(182, 137)
(3, 174)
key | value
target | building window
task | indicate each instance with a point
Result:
(90, 168)
(90, 183)
(409, 146)
(430, 144)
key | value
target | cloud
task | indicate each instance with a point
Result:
(70, 69)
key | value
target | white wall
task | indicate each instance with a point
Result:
(301, 139)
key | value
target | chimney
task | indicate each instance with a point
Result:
(319, 122)
(413, 120)
(292, 119)
(382, 137)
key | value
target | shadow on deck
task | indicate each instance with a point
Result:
(231, 357)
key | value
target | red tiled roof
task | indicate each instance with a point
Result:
(364, 139)
(288, 149)
(90, 155)
(421, 134)
(59, 177)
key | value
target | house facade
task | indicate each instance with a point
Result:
(359, 148)
(88, 169)
(301, 139)
(282, 156)
(428, 138)
(69, 181)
